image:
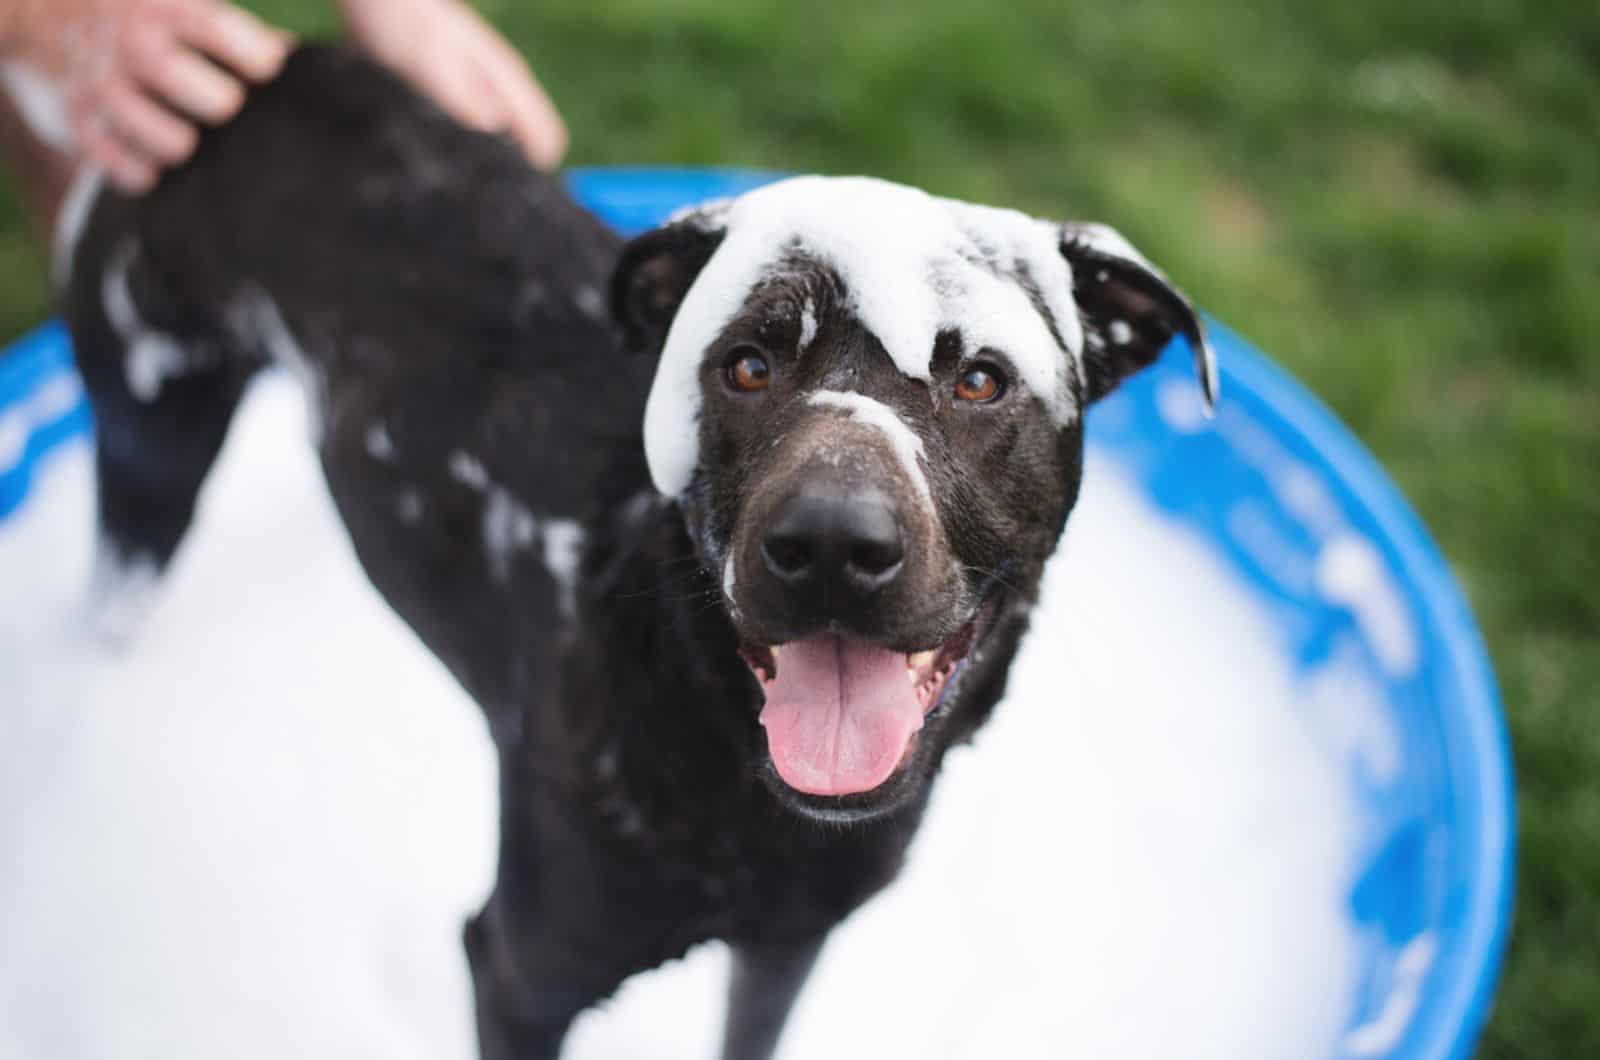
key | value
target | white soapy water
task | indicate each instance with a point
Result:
(1146, 854)
(253, 831)
(256, 831)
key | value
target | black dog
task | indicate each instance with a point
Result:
(722, 660)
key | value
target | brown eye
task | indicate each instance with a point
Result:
(748, 370)
(981, 382)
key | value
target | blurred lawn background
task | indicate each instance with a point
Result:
(1399, 199)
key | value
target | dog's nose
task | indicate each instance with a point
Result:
(852, 542)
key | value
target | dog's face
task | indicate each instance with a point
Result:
(869, 407)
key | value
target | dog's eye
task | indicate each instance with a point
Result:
(748, 370)
(981, 382)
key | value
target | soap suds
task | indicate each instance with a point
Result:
(911, 264)
(150, 357)
(255, 829)
(907, 445)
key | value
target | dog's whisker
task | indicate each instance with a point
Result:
(992, 575)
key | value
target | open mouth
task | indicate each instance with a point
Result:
(842, 713)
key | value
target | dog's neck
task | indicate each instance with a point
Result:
(651, 686)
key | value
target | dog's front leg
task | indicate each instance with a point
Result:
(766, 979)
(523, 1012)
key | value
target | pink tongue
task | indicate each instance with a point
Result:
(838, 715)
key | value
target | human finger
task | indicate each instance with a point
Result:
(103, 148)
(154, 131)
(180, 77)
(233, 37)
(532, 118)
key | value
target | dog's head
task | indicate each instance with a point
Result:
(869, 406)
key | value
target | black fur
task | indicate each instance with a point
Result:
(449, 304)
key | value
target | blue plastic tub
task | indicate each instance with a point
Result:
(1309, 521)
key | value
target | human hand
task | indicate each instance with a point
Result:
(136, 77)
(449, 52)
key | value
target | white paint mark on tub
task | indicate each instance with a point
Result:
(907, 445)
(1383, 1032)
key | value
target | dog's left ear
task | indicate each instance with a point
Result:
(654, 273)
(1129, 311)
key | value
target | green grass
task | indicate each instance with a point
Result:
(1400, 199)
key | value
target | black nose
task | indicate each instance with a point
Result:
(851, 542)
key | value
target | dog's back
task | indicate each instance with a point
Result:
(451, 298)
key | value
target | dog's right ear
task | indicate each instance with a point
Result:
(654, 273)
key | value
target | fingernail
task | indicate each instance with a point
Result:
(253, 38)
(134, 180)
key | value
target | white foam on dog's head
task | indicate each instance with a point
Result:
(912, 266)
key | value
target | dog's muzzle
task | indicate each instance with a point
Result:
(833, 550)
